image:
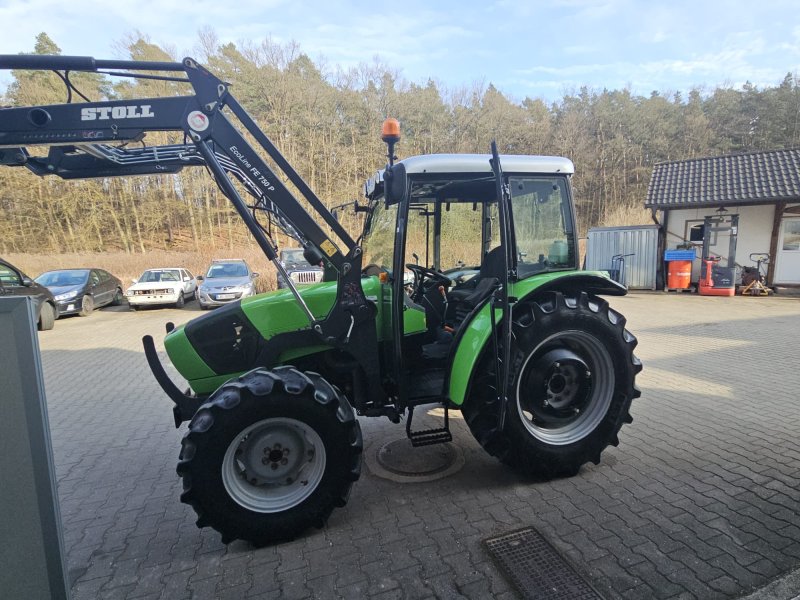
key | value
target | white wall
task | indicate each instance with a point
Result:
(755, 230)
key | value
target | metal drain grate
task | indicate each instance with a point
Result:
(536, 569)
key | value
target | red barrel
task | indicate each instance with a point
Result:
(679, 274)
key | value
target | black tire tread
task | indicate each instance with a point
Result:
(481, 413)
(47, 317)
(87, 309)
(259, 384)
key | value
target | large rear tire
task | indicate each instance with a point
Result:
(270, 454)
(571, 377)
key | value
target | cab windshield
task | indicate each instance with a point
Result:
(468, 226)
(378, 239)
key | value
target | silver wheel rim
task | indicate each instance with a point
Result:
(273, 465)
(587, 416)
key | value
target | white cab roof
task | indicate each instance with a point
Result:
(477, 163)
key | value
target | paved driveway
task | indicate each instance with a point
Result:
(700, 500)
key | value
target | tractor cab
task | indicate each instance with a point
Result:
(438, 217)
(448, 233)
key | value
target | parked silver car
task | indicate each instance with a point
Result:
(225, 281)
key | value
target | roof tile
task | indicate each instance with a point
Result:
(751, 178)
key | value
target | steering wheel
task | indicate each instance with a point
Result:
(426, 279)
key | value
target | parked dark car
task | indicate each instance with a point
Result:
(14, 282)
(299, 270)
(80, 291)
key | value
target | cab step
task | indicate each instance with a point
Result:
(428, 437)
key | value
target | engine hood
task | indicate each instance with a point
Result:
(57, 290)
(156, 285)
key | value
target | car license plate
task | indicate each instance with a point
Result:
(71, 307)
(226, 296)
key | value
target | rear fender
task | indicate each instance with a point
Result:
(472, 343)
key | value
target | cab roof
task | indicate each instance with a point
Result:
(479, 163)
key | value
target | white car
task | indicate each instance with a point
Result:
(173, 285)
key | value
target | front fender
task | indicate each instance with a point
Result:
(476, 333)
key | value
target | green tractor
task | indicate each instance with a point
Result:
(497, 320)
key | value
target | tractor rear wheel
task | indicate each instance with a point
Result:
(571, 383)
(269, 455)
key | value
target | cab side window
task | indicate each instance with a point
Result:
(94, 278)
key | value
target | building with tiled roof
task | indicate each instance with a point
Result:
(760, 189)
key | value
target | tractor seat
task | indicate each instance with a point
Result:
(472, 294)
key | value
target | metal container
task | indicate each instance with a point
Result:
(637, 244)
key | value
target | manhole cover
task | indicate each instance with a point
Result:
(536, 569)
(398, 460)
(402, 458)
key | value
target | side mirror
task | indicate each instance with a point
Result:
(134, 280)
(256, 275)
(27, 281)
(416, 257)
(200, 278)
(395, 183)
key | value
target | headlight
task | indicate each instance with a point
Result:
(66, 295)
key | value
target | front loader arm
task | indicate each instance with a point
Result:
(90, 128)
(109, 138)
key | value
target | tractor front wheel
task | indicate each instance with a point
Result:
(270, 454)
(571, 383)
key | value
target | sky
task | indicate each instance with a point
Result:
(536, 49)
